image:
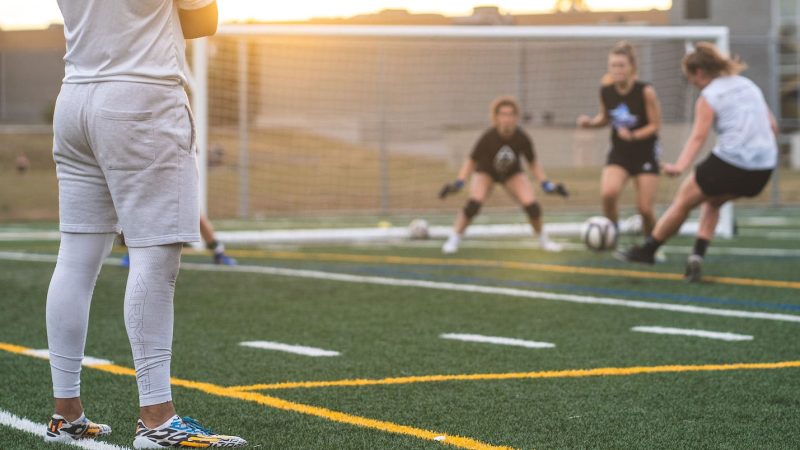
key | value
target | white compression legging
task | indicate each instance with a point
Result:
(148, 312)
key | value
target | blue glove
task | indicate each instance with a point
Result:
(555, 189)
(451, 188)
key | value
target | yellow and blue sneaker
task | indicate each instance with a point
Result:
(62, 430)
(184, 432)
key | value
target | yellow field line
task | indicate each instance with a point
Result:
(572, 373)
(515, 265)
(277, 403)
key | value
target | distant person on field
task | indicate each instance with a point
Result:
(498, 158)
(23, 164)
(632, 109)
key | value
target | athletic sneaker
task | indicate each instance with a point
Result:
(451, 246)
(661, 256)
(635, 254)
(223, 259)
(182, 433)
(693, 268)
(61, 430)
(550, 246)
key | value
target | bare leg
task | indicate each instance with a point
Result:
(69, 408)
(206, 230)
(155, 415)
(479, 189)
(646, 190)
(520, 187)
(709, 216)
(611, 184)
(688, 197)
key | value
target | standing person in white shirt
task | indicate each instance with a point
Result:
(125, 155)
(740, 164)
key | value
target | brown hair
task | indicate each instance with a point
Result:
(501, 102)
(625, 49)
(707, 57)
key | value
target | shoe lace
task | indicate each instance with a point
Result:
(195, 425)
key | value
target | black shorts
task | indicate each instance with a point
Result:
(716, 177)
(499, 178)
(635, 162)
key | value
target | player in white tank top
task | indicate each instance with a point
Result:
(740, 164)
(742, 122)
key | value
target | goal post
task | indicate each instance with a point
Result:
(328, 119)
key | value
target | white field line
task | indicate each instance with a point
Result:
(773, 234)
(87, 360)
(496, 340)
(357, 234)
(572, 246)
(39, 429)
(455, 287)
(695, 333)
(296, 349)
(491, 290)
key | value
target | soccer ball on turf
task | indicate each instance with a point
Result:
(418, 229)
(599, 233)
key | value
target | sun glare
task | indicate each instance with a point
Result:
(40, 13)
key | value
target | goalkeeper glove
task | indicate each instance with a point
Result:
(451, 188)
(555, 189)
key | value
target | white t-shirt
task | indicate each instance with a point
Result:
(744, 134)
(125, 40)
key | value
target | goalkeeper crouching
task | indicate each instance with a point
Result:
(497, 158)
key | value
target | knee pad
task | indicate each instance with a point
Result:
(534, 211)
(472, 208)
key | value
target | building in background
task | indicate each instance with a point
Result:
(31, 69)
(763, 33)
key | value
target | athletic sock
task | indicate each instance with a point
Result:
(149, 318)
(700, 247)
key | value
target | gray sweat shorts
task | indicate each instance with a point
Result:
(126, 161)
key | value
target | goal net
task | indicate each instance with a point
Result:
(354, 121)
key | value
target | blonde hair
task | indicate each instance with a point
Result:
(625, 49)
(707, 57)
(501, 102)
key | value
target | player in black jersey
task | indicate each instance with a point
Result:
(632, 108)
(497, 158)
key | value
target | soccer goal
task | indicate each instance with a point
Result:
(349, 121)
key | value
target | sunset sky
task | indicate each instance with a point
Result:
(39, 13)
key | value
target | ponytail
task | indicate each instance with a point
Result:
(707, 57)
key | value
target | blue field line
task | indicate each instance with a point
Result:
(396, 272)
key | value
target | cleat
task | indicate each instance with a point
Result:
(635, 254)
(125, 261)
(451, 246)
(61, 430)
(693, 269)
(223, 259)
(182, 433)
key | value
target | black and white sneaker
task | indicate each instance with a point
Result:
(693, 272)
(182, 432)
